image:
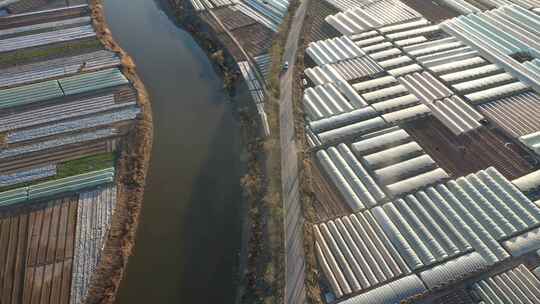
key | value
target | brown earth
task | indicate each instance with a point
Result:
(469, 153)
(431, 10)
(38, 243)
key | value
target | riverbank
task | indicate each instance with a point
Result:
(261, 271)
(207, 38)
(132, 169)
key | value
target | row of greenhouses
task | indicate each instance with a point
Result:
(387, 159)
(54, 187)
(397, 162)
(532, 141)
(47, 38)
(439, 234)
(95, 210)
(52, 89)
(421, 220)
(79, 138)
(79, 124)
(56, 112)
(29, 175)
(358, 68)
(450, 109)
(200, 5)
(60, 67)
(354, 182)
(516, 285)
(529, 182)
(500, 33)
(370, 15)
(333, 50)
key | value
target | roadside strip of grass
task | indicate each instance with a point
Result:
(307, 196)
(277, 49)
(265, 276)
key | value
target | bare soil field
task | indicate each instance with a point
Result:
(232, 19)
(432, 10)
(328, 203)
(54, 156)
(320, 29)
(470, 153)
(29, 4)
(256, 38)
(37, 251)
(481, 5)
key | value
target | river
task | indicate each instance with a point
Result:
(190, 231)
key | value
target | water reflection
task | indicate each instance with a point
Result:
(190, 230)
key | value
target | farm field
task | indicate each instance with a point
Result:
(418, 128)
(66, 110)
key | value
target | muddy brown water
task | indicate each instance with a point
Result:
(189, 235)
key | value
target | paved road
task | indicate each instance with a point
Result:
(294, 257)
(286, 80)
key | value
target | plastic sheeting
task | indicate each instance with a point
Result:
(517, 285)
(453, 270)
(335, 173)
(94, 215)
(393, 155)
(392, 293)
(395, 137)
(357, 252)
(49, 188)
(407, 114)
(30, 94)
(28, 41)
(333, 50)
(532, 141)
(528, 182)
(27, 175)
(523, 243)
(405, 169)
(342, 120)
(500, 33)
(416, 182)
(54, 143)
(355, 129)
(360, 16)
